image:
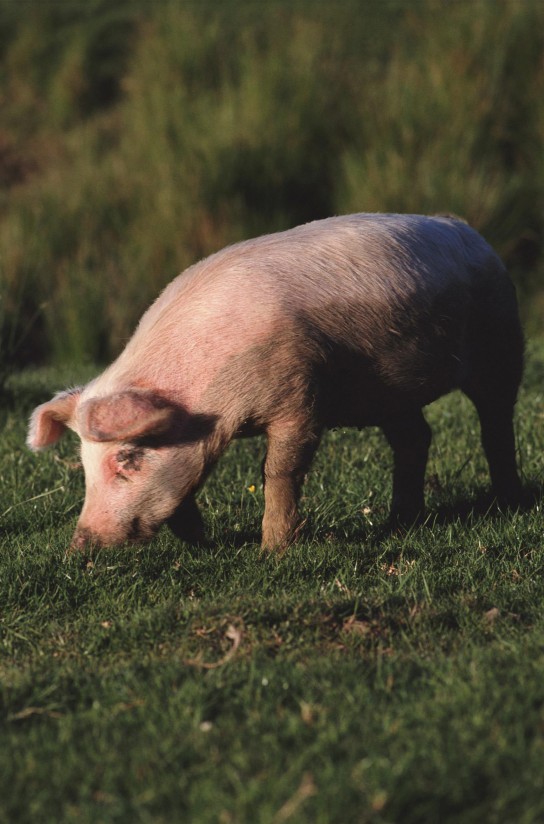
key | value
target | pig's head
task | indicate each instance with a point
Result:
(141, 456)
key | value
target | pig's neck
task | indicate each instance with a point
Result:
(183, 353)
(180, 373)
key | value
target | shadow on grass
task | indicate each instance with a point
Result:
(483, 504)
(462, 509)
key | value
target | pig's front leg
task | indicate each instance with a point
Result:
(291, 447)
(186, 523)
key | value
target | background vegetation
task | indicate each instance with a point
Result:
(137, 137)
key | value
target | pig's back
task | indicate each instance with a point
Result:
(377, 258)
(386, 297)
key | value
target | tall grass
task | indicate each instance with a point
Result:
(137, 140)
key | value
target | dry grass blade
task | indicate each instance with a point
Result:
(34, 498)
(233, 634)
(306, 790)
(29, 712)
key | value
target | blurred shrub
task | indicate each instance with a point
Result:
(457, 126)
(138, 138)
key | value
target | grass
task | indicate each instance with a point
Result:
(364, 677)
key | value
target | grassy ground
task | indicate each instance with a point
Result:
(365, 677)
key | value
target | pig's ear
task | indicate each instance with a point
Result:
(126, 416)
(49, 421)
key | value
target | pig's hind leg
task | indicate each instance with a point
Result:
(291, 447)
(492, 384)
(409, 436)
(498, 441)
(495, 407)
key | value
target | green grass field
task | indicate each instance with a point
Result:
(364, 677)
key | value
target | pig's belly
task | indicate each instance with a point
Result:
(358, 391)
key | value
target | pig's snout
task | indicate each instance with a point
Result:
(85, 540)
(135, 531)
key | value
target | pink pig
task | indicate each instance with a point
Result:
(351, 321)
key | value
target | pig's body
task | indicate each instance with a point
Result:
(350, 321)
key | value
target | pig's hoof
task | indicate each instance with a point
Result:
(276, 542)
(404, 519)
(515, 497)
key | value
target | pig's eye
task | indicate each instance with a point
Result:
(128, 461)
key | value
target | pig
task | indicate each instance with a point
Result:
(351, 321)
